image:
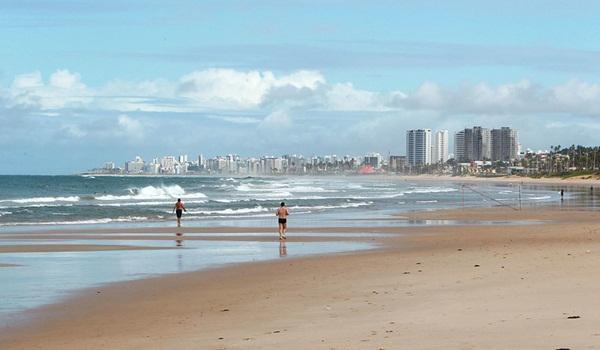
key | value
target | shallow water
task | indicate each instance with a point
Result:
(43, 278)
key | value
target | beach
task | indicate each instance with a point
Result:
(431, 287)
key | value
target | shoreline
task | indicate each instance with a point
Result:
(556, 180)
(467, 285)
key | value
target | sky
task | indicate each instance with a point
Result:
(87, 82)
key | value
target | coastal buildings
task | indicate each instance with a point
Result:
(135, 166)
(475, 148)
(373, 160)
(418, 147)
(397, 164)
(505, 144)
(424, 148)
(167, 165)
(459, 146)
(440, 147)
(479, 144)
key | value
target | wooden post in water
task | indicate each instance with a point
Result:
(520, 206)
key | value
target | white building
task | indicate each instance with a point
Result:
(418, 147)
(135, 166)
(440, 147)
(167, 165)
(201, 161)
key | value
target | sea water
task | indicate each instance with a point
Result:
(53, 201)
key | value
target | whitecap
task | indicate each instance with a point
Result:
(42, 200)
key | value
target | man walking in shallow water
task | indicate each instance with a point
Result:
(282, 214)
(178, 209)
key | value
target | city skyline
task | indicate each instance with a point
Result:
(477, 145)
(85, 81)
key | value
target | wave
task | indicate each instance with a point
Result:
(285, 188)
(421, 190)
(333, 206)
(424, 202)
(41, 200)
(539, 198)
(160, 203)
(151, 192)
(261, 209)
(80, 222)
(2, 213)
(229, 211)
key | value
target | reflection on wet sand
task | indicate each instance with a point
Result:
(282, 249)
(179, 239)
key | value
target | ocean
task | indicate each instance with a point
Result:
(51, 201)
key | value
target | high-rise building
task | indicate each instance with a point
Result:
(505, 144)
(482, 149)
(439, 152)
(475, 145)
(372, 159)
(397, 164)
(201, 161)
(135, 166)
(167, 165)
(459, 146)
(418, 147)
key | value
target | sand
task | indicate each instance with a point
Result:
(579, 181)
(530, 286)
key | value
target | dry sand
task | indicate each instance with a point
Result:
(439, 287)
(580, 181)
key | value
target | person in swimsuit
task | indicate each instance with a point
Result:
(179, 209)
(282, 214)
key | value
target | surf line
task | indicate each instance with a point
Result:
(493, 199)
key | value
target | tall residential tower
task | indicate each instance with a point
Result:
(418, 147)
(440, 147)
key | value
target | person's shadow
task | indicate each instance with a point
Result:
(179, 239)
(282, 249)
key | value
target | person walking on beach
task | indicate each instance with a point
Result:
(179, 209)
(282, 214)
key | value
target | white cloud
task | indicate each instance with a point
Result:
(228, 88)
(65, 79)
(28, 80)
(222, 90)
(277, 120)
(64, 91)
(74, 131)
(344, 97)
(577, 96)
(130, 127)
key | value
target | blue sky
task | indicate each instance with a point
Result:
(84, 82)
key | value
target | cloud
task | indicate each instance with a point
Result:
(227, 88)
(277, 120)
(130, 127)
(65, 90)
